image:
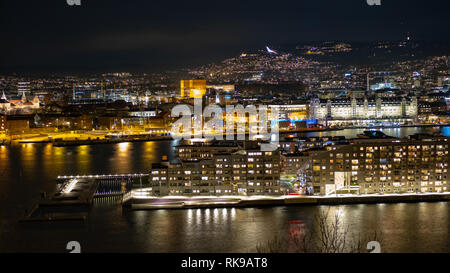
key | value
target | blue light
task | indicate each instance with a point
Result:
(308, 121)
(446, 131)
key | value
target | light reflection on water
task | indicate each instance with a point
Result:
(26, 170)
(395, 132)
(409, 227)
(198, 230)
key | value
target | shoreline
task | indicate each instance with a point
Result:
(239, 202)
(387, 127)
(162, 138)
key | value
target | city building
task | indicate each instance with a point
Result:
(23, 88)
(292, 112)
(22, 105)
(17, 124)
(295, 144)
(5, 105)
(364, 110)
(293, 163)
(192, 88)
(293, 116)
(143, 113)
(222, 87)
(377, 166)
(2, 123)
(218, 169)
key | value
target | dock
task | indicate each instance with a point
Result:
(75, 195)
(81, 194)
(69, 203)
(154, 203)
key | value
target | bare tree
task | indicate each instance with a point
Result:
(275, 245)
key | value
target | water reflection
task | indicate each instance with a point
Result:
(395, 132)
(123, 147)
(213, 216)
(83, 159)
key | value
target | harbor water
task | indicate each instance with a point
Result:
(26, 170)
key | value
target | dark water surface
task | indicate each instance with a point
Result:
(26, 170)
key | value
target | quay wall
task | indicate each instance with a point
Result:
(290, 201)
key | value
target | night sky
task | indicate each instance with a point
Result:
(150, 36)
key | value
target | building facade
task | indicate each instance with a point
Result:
(218, 170)
(2, 123)
(18, 106)
(192, 88)
(382, 166)
(363, 108)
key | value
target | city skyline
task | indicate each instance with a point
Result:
(236, 128)
(104, 36)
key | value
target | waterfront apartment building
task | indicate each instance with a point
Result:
(373, 166)
(296, 163)
(218, 169)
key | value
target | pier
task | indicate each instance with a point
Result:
(75, 195)
(69, 203)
